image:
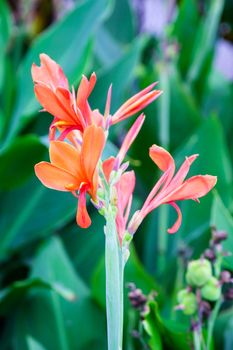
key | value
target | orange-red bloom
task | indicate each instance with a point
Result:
(52, 91)
(73, 112)
(171, 188)
(75, 169)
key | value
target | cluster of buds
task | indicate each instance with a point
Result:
(206, 283)
(138, 300)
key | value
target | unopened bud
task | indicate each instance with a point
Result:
(210, 254)
(188, 302)
(211, 290)
(225, 276)
(219, 236)
(199, 272)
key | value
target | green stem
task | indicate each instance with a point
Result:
(114, 267)
(164, 135)
(197, 340)
(211, 323)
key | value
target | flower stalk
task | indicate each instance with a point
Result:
(114, 266)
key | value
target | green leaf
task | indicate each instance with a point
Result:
(223, 330)
(12, 295)
(184, 31)
(68, 47)
(222, 219)
(172, 334)
(204, 41)
(76, 325)
(31, 212)
(121, 23)
(17, 161)
(116, 75)
(33, 344)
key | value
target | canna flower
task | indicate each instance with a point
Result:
(171, 188)
(70, 111)
(75, 169)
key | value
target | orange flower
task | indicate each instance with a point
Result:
(52, 91)
(75, 169)
(171, 188)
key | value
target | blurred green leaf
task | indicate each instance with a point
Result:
(116, 75)
(106, 47)
(31, 212)
(223, 330)
(65, 41)
(121, 23)
(5, 32)
(17, 162)
(76, 325)
(222, 219)
(33, 344)
(184, 31)
(172, 334)
(12, 295)
(204, 43)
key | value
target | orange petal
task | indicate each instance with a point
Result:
(162, 158)
(177, 224)
(92, 147)
(125, 188)
(108, 165)
(54, 177)
(82, 217)
(193, 188)
(130, 137)
(49, 73)
(67, 157)
(52, 105)
(85, 88)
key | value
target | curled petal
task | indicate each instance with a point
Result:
(82, 217)
(55, 178)
(162, 158)
(177, 224)
(193, 188)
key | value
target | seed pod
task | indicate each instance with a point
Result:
(199, 272)
(211, 290)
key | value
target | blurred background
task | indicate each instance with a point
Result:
(52, 289)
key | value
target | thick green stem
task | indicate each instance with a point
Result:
(114, 267)
(197, 340)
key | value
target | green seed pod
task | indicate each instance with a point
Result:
(188, 301)
(211, 290)
(199, 272)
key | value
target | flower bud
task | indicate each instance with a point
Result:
(188, 301)
(211, 290)
(199, 272)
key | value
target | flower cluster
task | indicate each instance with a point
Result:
(78, 136)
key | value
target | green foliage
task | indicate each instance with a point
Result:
(52, 282)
